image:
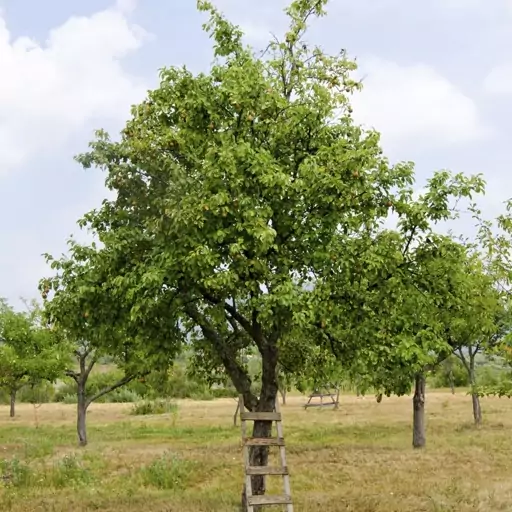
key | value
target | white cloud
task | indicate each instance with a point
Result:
(459, 4)
(48, 92)
(415, 106)
(499, 80)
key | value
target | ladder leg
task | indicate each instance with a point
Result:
(248, 482)
(236, 412)
(282, 453)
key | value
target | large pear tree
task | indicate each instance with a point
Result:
(237, 191)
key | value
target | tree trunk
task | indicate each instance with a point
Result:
(418, 434)
(452, 382)
(81, 416)
(282, 392)
(477, 410)
(12, 411)
(258, 455)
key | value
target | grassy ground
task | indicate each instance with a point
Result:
(356, 459)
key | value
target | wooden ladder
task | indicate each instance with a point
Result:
(255, 500)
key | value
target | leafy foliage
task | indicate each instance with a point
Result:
(154, 407)
(249, 206)
(28, 352)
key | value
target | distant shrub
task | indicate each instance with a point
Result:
(181, 385)
(451, 370)
(66, 389)
(123, 396)
(148, 407)
(491, 376)
(70, 398)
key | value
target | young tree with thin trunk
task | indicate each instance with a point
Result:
(491, 315)
(480, 323)
(409, 285)
(87, 331)
(27, 351)
(86, 357)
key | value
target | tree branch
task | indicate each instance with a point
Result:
(227, 355)
(70, 373)
(463, 359)
(90, 367)
(108, 389)
(232, 310)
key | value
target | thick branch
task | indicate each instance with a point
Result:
(74, 375)
(108, 389)
(332, 340)
(227, 355)
(232, 310)
(462, 357)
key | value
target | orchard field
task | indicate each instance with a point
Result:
(358, 458)
(256, 239)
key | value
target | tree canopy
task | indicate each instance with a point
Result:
(28, 350)
(249, 214)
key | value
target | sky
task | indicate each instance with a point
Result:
(437, 84)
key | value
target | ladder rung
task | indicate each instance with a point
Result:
(269, 500)
(264, 441)
(261, 416)
(266, 470)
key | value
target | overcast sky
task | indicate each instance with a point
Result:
(438, 85)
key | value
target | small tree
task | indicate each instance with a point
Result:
(87, 335)
(87, 356)
(27, 351)
(389, 322)
(494, 245)
(480, 324)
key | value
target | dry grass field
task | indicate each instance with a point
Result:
(356, 459)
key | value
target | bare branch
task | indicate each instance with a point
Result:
(462, 357)
(74, 375)
(108, 389)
